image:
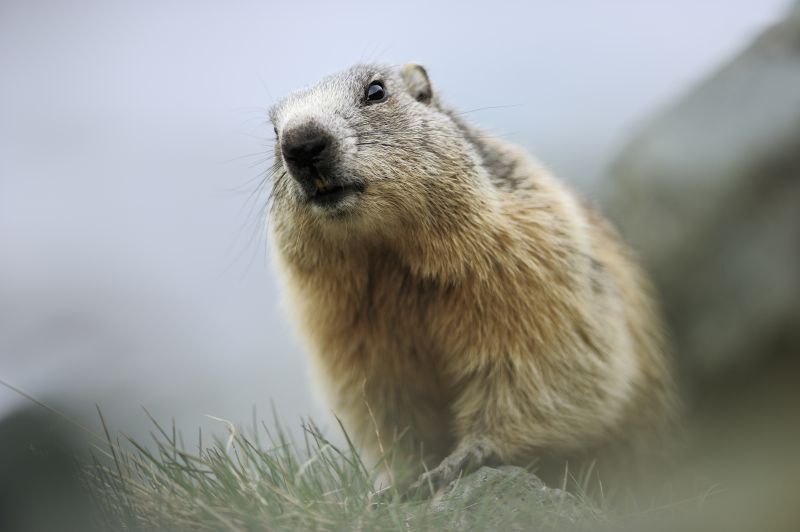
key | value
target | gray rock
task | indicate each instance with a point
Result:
(511, 498)
(41, 487)
(708, 193)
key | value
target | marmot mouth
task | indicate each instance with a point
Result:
(330, 194)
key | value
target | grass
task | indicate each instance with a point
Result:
(260, 479)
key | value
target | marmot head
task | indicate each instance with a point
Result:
(369, 150)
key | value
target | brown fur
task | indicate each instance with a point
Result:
(468, 297)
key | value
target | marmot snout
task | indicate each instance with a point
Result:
(460, 303)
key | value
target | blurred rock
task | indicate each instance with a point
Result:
(511, 498)
(41, 488)
(708, 193)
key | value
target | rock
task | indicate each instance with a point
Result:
(511, 498)
(708, 193)
(41, 488)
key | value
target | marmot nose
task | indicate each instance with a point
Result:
(307, 148)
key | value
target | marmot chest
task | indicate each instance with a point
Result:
(373, 332)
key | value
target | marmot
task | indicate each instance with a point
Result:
(462, 305)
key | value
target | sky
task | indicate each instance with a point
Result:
(134, 265)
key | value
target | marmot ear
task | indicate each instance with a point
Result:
(417, 82)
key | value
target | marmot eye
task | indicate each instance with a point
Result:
(376, 92)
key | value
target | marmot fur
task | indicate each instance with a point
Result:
(461, 304)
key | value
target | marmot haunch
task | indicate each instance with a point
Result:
(462, 305)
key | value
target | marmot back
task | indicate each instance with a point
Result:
(462, 306)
